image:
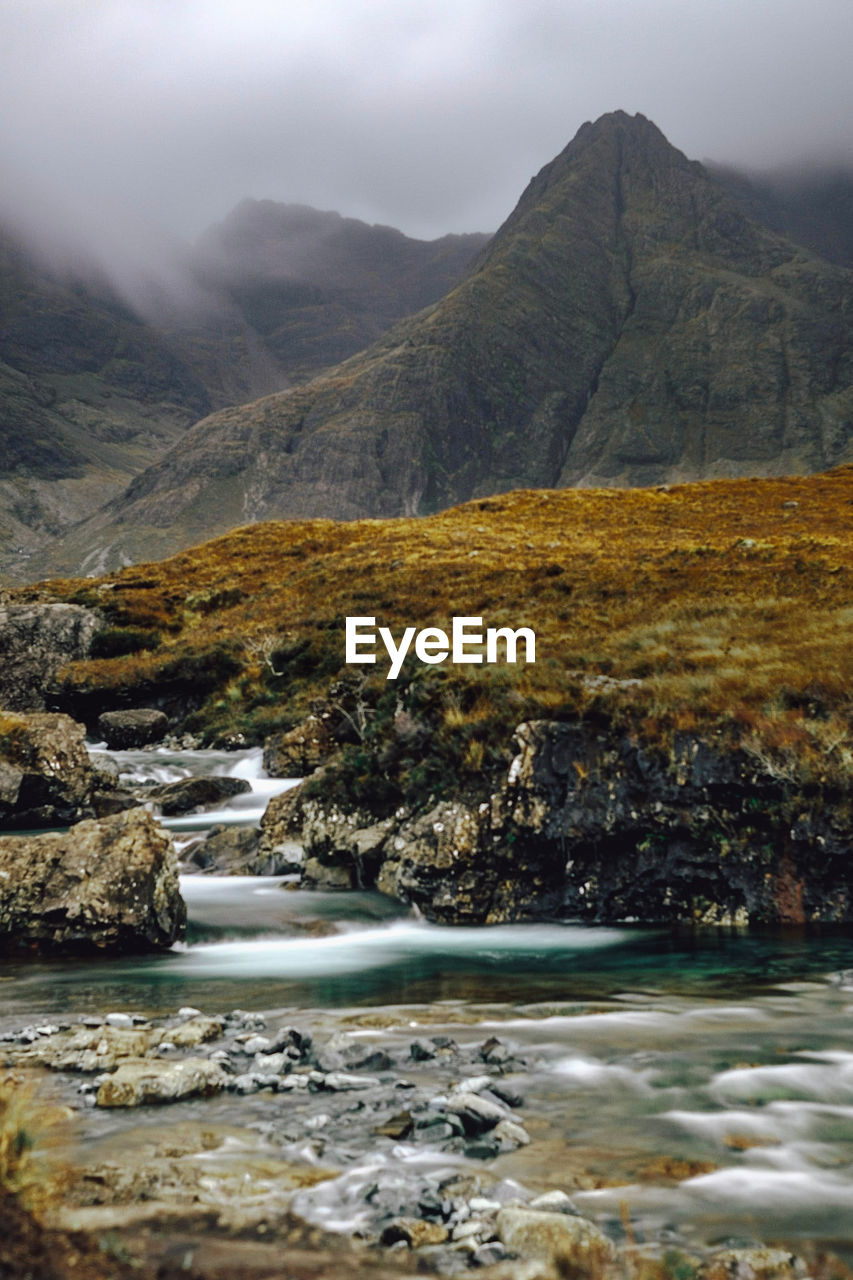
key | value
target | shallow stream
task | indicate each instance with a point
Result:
(703, 1080)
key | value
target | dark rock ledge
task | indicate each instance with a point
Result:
(594, 824)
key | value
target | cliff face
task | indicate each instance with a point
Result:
(627, 325)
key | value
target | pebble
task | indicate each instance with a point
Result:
(468, 1230)
(480, 1204)
(511, 1135)
(477, 1114)
(339, 1080)
(319, 1121)
(490, 1253)
(257, 1044)
(553, 1202)
(119, 1020)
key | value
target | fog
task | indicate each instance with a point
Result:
(131, 125)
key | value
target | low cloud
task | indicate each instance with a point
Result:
(131, 125)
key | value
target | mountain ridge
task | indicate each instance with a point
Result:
(628, 324)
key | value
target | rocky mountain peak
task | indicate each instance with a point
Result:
(628, 324)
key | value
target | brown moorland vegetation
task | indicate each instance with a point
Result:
(724, 606)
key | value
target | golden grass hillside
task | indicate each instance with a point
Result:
(725, 605)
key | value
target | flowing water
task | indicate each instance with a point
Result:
(702, 1080)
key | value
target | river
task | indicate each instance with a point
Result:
(704, 1080)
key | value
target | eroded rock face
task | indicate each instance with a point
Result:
(35, 641)
(104, 885)
(595, 824)
(46, 778)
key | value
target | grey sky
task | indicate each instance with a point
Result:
(124, 118)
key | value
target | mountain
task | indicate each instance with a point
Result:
(627, 325)
(813, 206)
(91, 393)
(316, 286)
(93, 388)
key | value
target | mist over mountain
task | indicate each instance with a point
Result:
(318, 286)
(811, 204)
(101, 369)
(628, 324)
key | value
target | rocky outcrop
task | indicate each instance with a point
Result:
(46, 778)
(35, 641)
(125, 730)
(595, 824)
(299, 751)
(104, 885)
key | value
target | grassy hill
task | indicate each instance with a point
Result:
(724, 606)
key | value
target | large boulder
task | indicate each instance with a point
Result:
(134, 1083)
(104, 885)
(35, 641)
(46, 777)
(187, 794)
(137, 727)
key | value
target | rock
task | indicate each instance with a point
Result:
(510, 1135)
(194, 1031)
(317, 875)
(397, 1126)
(118, 1020)
(125, 730)
(592, 822)
(299, 751)
(488, 1254)
(291, 1040)
(106, 769)
(494, 1052)
(88, 1050)
(477, 1114)
(188, 794)
(344, 1052)
(415, 1232)
(339, 1081)
(422, 1051)
(235, 851)
(472, 1229)
(35, 641)
(257, 1044)
(756, 1263)
(110, 884)
(135, 1083)
(46, 776)
(342, 849)
(553, 1202)
(106, 803)
(555, 1237)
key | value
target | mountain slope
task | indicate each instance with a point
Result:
(627, 325)
(91, 392)
(318, 287)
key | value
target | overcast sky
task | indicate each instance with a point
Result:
(121, 117)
